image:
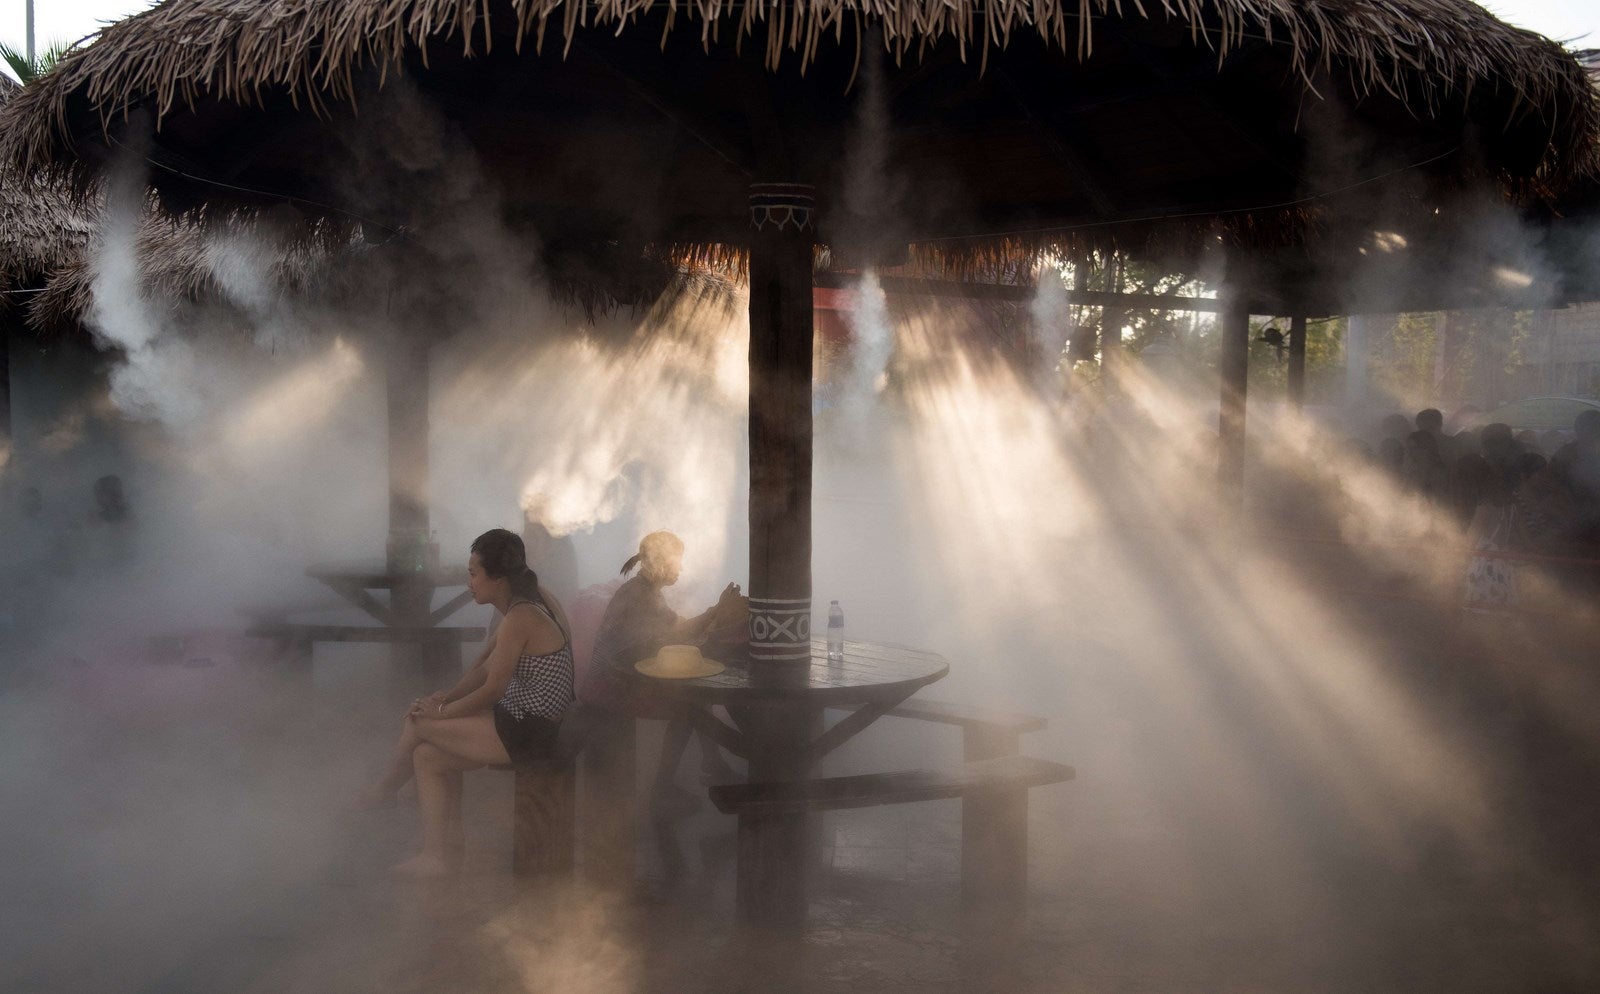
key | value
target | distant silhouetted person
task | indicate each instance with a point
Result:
(111, 503)
(637, 623)
(551, 556)
(1430, 420)
(1422, 466)
(1471, 482)
(1392, 456)
(1580, 462)
(105, 536)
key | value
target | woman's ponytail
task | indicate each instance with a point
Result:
(656, 547)
(525, 585)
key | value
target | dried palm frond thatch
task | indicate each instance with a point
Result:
(1420, 51)
(178, 259)
(42, 227)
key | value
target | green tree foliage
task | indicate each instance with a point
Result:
(1134, 327)
(1415, 360)
(26, 71)
(1449, 359)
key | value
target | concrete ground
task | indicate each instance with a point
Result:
(179, 825)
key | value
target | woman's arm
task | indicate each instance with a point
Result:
(697, 628)
(473, 678)
(520, 631)
(492, 678)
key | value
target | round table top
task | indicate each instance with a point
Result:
(870, 671)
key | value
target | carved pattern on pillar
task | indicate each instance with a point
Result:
(780, 629)
(782, 206)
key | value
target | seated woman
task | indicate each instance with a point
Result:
(637, 623)
(505, 710)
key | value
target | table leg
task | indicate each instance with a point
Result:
(607, 811)
(776, 851)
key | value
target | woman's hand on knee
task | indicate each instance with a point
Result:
(427, 706)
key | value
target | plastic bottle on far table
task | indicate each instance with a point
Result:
(835, 633)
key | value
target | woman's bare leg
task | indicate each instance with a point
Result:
(433, 767)
(449, 747)
(455, 835)
(397, 772)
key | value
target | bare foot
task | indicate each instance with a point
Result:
(423, 865)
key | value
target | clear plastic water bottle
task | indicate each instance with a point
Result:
(835, 633)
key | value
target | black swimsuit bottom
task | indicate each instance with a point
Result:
(527, 740)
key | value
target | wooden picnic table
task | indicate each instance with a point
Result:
(777, 725)
(353, 581)
(777, 711)
(409, 621)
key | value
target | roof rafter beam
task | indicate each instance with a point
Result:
(1012, 293)
(1259, 144)
(693, 124)
(1099, 199)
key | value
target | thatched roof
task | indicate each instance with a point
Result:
(1013, 126)
(1422, 52)
(177, 259)
(48, 235)
(42, 227)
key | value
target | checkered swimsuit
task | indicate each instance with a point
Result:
(541, 686)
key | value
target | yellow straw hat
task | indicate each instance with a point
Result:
(678, 662)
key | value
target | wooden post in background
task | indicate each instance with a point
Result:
(1297, 362)
(1112, 352)
(419, 665)
(1234, 366)
(406, 372)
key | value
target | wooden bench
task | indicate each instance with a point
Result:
(296, 640)
(271, 621)
(544, 818)
(994, 824)
(545, 809)
(984, 734)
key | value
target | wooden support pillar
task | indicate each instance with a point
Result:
(781, 244)
(1234, 367)
(1355, 362)
(1081, 345)
(783, 228)
(407, 395)
(419, 666)
(1112, 353)
(1297, 362)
